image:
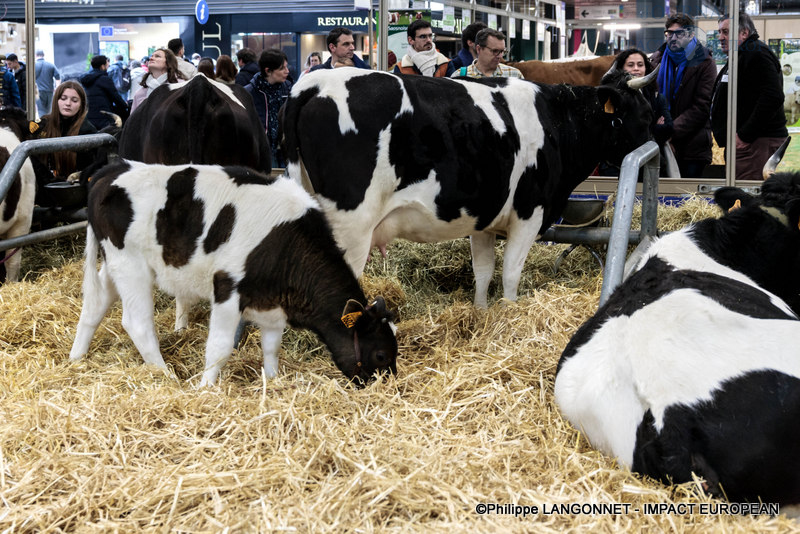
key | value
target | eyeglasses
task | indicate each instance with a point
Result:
(496, 51)
(679, 34)
(426, 37)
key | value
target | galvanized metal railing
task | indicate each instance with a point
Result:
(645, 156)
(44, 146)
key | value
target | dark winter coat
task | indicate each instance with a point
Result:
(102, 96)
(463, 59)
(246, 73)
(759, 106)
(268, 99)
(691, 137)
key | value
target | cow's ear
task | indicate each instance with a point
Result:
(731, 198)
(352, 311)
(793, 213)
(609, 98)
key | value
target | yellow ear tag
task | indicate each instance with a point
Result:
(350, 319)
(33, 126)
(736, 205)
(609, 107)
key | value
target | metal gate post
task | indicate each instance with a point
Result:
(623, 212)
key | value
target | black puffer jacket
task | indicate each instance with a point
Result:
(102, 96)
(759, 106)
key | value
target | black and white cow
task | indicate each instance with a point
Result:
(432, 159)
(693, 364)
(253, 246)
(201, 121)
(16, 208)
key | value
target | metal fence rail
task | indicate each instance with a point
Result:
(645, 156)
(45, 146)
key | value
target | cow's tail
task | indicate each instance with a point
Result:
(197, 114)
(91, 277)
(290, 136)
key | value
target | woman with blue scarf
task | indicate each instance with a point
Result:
(686, 79)
(270, 89)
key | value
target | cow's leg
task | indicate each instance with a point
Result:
(225, 317)
(482, 247)
(12, 264)
(182, 307)
(134, 282)
(521, 235)
(97, 298)
(271, 334)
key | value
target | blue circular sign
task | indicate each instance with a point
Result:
(201, 11)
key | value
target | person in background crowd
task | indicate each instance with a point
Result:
(314, 59)
(248, 67)
(17, 67)
(635, 62)
(468, 53)
(66, 118)
(120, 74)
(45, 73)
(270, 89)
(186, 68)
(206, 66)
(491, 47)
(341, 45)
(196, 59)
(137, 73)
(760, 121)
(686, 78)
(421, 57)
(226, 70)
(101, 94)
(8, 86)
(162, 68)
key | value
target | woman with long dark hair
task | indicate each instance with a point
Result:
(67, 117)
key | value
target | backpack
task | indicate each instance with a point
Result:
(121, 77)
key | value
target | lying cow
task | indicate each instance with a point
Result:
(16, 209)
(693, 364)
(431, 159)
(572, 71)
(202, 121)
(254, 247)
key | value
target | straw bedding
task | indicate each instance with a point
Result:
(109, 444)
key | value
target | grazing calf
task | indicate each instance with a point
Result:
(693, 364)
(255, 247)
(16, 209)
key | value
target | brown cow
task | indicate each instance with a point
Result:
(573, 72)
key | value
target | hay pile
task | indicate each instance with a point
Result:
(109, 444)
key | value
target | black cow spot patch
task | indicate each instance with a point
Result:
(221, 229)
(223, 286)
(109, 207)
(179, 223)
(245, 175)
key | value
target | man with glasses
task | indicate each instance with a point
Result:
(491, 47)
(760, 122)
(421, 56)
(686, 78)
(342, 47)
